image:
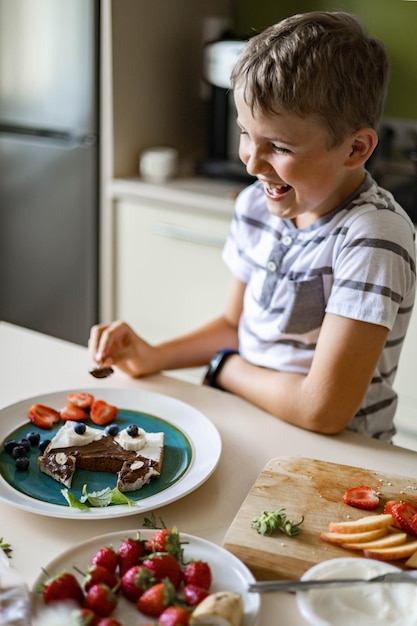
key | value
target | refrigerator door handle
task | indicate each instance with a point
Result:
(62, 136)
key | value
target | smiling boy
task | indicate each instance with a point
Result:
(322, 259)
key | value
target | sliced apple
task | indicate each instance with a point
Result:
(412, 561)
(346, 538)
(364, 524)
(392, 554)
(392, 539)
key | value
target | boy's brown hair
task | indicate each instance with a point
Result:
(319, 63)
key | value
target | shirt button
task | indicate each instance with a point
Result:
(271, 266)
(287, 240)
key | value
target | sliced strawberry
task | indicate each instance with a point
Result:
(74, 413)
(362, 497)
(388, 510)
(102, 413)
(82, 399)
(43, 416)
(403, 514)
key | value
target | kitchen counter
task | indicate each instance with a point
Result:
(32, 364)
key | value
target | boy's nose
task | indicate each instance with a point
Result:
(255, 162)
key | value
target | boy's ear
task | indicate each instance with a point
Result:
(362, 145)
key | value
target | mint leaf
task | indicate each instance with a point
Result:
(117, 497)
(98, 499)
(72, 500)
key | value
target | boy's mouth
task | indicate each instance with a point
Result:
(276, 191)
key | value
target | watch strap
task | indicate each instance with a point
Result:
(216, 365)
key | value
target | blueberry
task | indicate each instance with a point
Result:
(43, 444)
(22, 463)
(80, 428)
(132, 430)
(112, 430)
(34, 438)
(25, 443)
(10, 445)
(18, 451)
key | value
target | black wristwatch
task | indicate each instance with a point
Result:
(216, 365)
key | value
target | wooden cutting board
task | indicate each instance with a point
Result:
(309, 488)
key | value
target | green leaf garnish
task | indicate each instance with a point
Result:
(6, 547)
(268, 522)
(101, 498)
(72, 500)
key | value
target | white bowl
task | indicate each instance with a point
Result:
(359, 605)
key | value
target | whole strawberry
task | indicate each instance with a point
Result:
(165, 540)
(194, 595)
(108, 621)
(174, 616)
(135, 581)
(129, 553)
(61, 588)
(164, 566)
(99, 574)
(106, 557)
(84, 617)
(156, 599)
(197, 573)
(101, 599)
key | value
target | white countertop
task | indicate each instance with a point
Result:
(32, 364)
(196, 193)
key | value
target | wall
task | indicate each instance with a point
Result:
(394, 21)
(156, 76)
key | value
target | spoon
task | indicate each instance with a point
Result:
(100, 371)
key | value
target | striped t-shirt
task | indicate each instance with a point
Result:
(357, 261)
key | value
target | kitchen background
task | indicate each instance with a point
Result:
(156, 244)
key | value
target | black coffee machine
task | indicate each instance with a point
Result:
(223, 133)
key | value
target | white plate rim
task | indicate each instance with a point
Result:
(200, 431)
(219, 559)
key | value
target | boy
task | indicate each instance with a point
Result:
(323, 260)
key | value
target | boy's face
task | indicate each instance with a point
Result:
(302, 178)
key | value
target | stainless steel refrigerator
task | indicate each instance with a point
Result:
(49, 55)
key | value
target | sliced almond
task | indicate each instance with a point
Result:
(363, 524)
(392, 554)
(340, 538)
(392, 539)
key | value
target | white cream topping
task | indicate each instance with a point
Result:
(128, 442)
(67, 437)
(154, 444)
(367, 604)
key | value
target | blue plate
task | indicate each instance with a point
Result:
(192, 452)
(177, 459)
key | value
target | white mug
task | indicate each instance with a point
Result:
(159, 164)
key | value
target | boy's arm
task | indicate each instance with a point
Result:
(326, 398)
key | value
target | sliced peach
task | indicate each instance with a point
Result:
(392, 539)
(346, 538)
(392, 554)
(371, 522)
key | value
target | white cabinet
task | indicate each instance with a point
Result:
(169, 276)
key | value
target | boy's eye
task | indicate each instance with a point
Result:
(280, 149)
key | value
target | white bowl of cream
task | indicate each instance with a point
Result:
(385, 604)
